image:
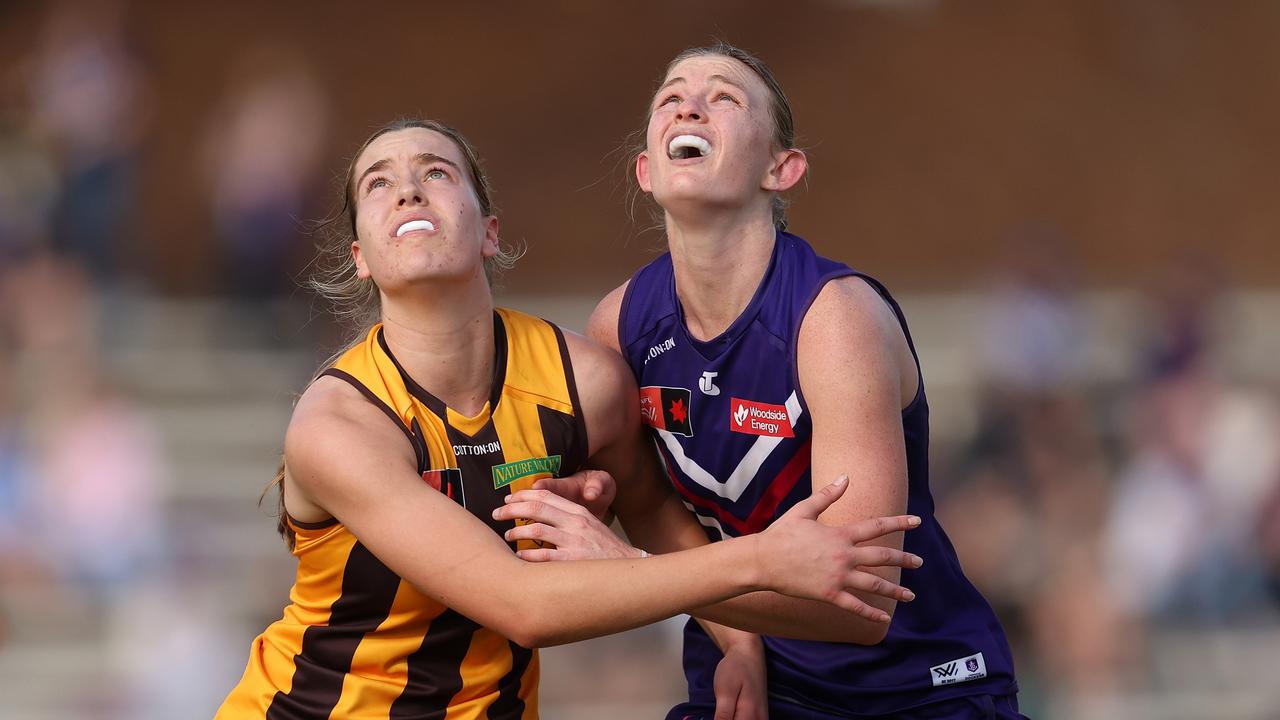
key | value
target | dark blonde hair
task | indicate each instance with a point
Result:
(784, 126)
(355, 301)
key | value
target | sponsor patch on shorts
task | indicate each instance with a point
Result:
(970, 667)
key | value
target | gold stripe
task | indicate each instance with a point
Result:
(520, 433)
(533, 360)
(486, 662)
(380, 668)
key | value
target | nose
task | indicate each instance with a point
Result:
(689, 110)
(410, 193)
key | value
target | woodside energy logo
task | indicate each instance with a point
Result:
(757, 418)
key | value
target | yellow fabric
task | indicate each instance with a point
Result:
(379, 675)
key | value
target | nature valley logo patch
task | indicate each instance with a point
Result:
(507, 473)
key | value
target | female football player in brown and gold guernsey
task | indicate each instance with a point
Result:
(408, 601)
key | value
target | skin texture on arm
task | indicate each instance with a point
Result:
(857, 374)
(347, 460)
(655, 519)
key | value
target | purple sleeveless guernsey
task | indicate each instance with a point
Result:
(734, 433)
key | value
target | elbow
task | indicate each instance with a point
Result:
(862, 631)
(535, 630)
(524, 638)
(528, 618)
(874, 634)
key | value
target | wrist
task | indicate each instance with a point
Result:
(740, 641)
(757, 572)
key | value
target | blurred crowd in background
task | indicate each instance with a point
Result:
(1122, 517)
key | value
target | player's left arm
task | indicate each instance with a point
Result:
(857, 374)
(655, 519)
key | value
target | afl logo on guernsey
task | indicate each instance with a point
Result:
(757, 418)
(448, 481)
(665, 408)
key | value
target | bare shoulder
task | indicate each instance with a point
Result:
(606, 389)
(328, 404)
(850, 305)
(851, 331)
(603, 324)
(332, 424)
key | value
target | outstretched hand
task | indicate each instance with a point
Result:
(804, 558)
(592, 489)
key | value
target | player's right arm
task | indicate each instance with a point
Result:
(346, 459)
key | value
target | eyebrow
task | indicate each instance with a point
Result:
(721, 78)
(425, 158)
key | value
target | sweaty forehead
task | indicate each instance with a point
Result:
(406, 144)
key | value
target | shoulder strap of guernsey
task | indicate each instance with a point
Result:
(369, 368)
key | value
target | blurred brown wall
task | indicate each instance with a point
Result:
(937, 132)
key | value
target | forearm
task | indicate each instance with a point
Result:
(569, 601)
(769, 613)
(672, 527)
(663, 527)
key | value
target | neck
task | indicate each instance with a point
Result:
(444, 341)
(718, 269)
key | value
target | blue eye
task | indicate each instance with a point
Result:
(727, 96)
(437, 174)
(377, 183)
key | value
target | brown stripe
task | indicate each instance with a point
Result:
(433, 403)
(435, 669)
(580, 424)
(509, 705)
(369, 394)
(312, 525)
(499, 362)
(560, 434)
(477, 474)
(368, 589)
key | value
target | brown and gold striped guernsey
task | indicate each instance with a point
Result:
(356, 641)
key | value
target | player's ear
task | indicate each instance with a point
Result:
(788, 167)
(490, 246)
(642, 171)
(362, 270)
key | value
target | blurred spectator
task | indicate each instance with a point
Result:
(28, 187)
(1032, 482)
(95, 472)
(90, 97)
(1267, 522)
(14, 475)
(1182, 542)
(1033, 339)
(261, 154)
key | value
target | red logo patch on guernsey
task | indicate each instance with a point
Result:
(448, 481)
(667, 409)
(757, 418)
